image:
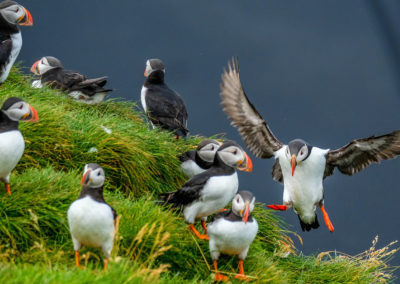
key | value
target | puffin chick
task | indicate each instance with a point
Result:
(92, 222)
(197, 161)
(233, 231)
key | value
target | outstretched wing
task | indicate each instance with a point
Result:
(361, 153)
(243, 115)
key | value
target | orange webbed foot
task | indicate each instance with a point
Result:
(219, 277)
(242, 277)
(200, 236)
(278, 207)
(328, 222)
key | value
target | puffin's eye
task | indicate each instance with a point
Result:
(237, 200)
(21, 106)
(301, 153)
(235, 152)
(98, 174)
(212, 148)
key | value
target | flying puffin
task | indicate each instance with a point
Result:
(82, 89)
(163, 106)
(199, 160)
(11, 15)
(92, 222)
(210, 191)
(233, 231)
(300, 166)
(12, 144)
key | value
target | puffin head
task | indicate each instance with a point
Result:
(243, 204)
(93, 176)
(45, 64)
(15, 14)
(17, 109)
(207, 149)
(297, 151)
(234, 156)
(153, 65)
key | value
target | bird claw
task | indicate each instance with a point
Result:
(219, 277)
(278, 207)
(242, 277)
(204, 237)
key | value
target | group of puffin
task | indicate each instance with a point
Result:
(211, 169)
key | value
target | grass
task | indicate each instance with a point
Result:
(153, 244)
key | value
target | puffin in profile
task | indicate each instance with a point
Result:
(300, 166)
(76, 85)
(210, 191)
(197, 161)
(12, 144)
(233, 231)
(164, 107)
(11, 15)
(92, 222)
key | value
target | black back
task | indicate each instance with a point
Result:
(194, 156)
(5, 50)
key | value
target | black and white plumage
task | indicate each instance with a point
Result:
(210, 191)
(76, 85)
(12, 144)
(92, 222)
(11, 15)
(164, 107)
(197, 161)
(300, 166)
(233, 231)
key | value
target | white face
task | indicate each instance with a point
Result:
(301, 155)
(18, 111)
(13, 14)
(43, 66)
(94, 178)
(207, 153)
(239, 205)
(232, 156)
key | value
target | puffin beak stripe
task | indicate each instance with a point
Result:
(246, 213)
(28, 19)
(294, 163)
(34, 68)
(246, 164)
(85, 177)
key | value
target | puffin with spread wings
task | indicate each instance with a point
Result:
(299, 166)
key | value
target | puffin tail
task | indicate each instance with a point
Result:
(167, 198)
(307, 227)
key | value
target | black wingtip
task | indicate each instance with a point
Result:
(308, 227)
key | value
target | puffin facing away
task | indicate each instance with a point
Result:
(210, 191)
(199, 160)
(233, 231)
(12, 144)
(300, 166)
(92, 222)
(164, 107)
(76, 85)
(11, 15)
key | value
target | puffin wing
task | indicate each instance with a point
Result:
(243, 115)
(277, 171)
(361, 153)
(5, 50)
(71, 79)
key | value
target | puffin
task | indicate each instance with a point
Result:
(12, 144)
(210, 191)
(197, 161)
(300, 166)
(163, 106)
(11, 15)
(92, 222)
(233, 231)
(52, 73)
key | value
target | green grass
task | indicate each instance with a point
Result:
(153, 244)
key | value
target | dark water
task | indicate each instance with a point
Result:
(321, 71)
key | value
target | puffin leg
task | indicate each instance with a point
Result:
(105, 264)
(204, 225)
(218, 276)
(278, 207)
(241, 275)
(328, 222)
(8, 188)
(77, 259)
(200, 236)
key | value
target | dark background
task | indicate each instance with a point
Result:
(324, 71)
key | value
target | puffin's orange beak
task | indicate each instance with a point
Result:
(145, 73)
(294, 163)
(246, 164)
(85, 175)
(246, 213)
(34, 68)
(27, 19)
(34, 115)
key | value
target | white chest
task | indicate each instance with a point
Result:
(190, 168)
(16, 47)
(37, 84)
(12, 146)
(90, 100)
(143, 98)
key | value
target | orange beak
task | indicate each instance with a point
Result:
(145, 73)
(85, 175)
(294, 163)
(34, 68)
(27, 19)
(246, 214)
(245, 165)
(31, 116)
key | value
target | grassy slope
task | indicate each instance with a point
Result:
(153, 244)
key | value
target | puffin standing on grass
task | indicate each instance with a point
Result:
(197, 161)
(12, 144)
(300, 166)
(164, 107)
(82, 89)
(92, 222)
(233, 231)
(209, 192)
(11, 15)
